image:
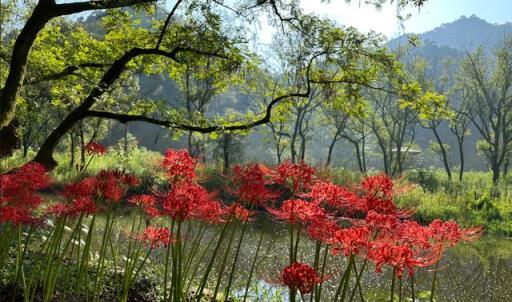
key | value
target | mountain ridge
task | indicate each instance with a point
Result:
(463, 34)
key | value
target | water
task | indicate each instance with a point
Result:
(479, 271)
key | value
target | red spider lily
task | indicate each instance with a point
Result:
(79, 206)
(16, 215)
(179, 165)
(147, 203)
(380, 205)
(113, 184)
(155, 237)
(381, 222)
(323, 230)
(299, 176)
(58, 209)
(251, 184)
(301, 277)
(378, 185)
(401, 257)
(83, 188)
(354, 240)
(238, 211)
(191, 201)
(18, 193)
(95, 148)
(19, 188)
(83, 205)
(413, 234)
(450, 233)
(209, 210)
(334, 196)
(298, 211)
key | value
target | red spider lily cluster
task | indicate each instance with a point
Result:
(357, 223)
(155, 237)
(250, 184)
(95, 148)
(19, 197)
(179, 165)
(301, 277)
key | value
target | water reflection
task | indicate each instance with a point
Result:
(477, 272)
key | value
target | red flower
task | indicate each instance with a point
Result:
(252, 185)
(179, 165)
(147, 203)
(335, 196)
(450, 232)
(381, 222)
(378, 185)
(18, 193)
(58, 209)
(79, 206)
(413, 234)
(298, 211)
(155, 237)
(95, 148)
(323, 230)
(112, 185)
(16, 215)
(239, 212)
(83, 205)
(298, 176)
(352, 240)
(83, 188)
(400, 257)
(191, 201)
(301, 277)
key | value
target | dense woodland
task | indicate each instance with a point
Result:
(161, 151)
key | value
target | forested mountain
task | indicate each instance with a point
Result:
(450, 41)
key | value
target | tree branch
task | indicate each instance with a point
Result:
(78, 7)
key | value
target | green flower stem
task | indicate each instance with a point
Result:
(413, 294)
(198, 263)
(318, 294)
(252, 268)
(194, 249)
(318, 246)
(166, 267)
(434, 279)
(212, 259)
(223, 264)
(358, 286)
(392, 291)
(237, 253)
(342, 288)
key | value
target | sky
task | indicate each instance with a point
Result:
(432, 14)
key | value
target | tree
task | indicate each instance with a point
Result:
(198, 34)
(488, 85)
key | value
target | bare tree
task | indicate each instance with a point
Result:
(488, 86)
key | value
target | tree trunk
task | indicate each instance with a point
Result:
(331, 149)
(40, 16)
(444, 154)
(71, 149)
(125, 143)
(461, 160)
(82, 146)
(495, 172)
(45, 154)
(225, 150)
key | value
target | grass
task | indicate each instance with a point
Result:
(473, 201)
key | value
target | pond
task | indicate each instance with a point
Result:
(477, 271)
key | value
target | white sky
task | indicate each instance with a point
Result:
(433, 14)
